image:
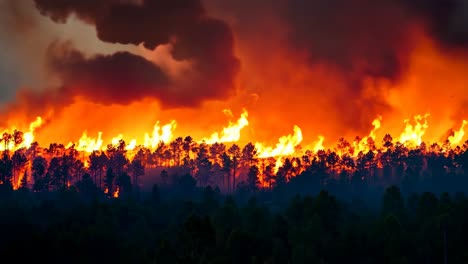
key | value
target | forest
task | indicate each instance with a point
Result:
(189, 202)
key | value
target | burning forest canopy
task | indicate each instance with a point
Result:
(288, 76)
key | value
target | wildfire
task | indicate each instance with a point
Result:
(10, 143)
(29, 136)
(285, 147)
(231, 133)
(319, 145)
(164, 134)
(88, 144)
(457, 136)
(412, 135)
(116, 193)
(364, 143)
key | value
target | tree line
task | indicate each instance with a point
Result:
(233, 168)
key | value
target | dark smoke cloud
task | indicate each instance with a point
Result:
(354, 39)
(123, 77)
(151, 22)
(107, 78)
(372, 37)
(446, 20)
(361, 37)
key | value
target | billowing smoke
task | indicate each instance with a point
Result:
(369, 37)
(445, 20)
(123, 77)
(107, 78)
(354, 40)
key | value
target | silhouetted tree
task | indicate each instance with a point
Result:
(204, 166)
(124, 184)
(216, 151)
(252, 178)
(86, 186)
(109, 181)
(249, 155)
(177, 148)
(137, 169)
(387, 141)
(39, 169)
(19, 162)
(7, 138)
(235, 153)
(226, 168)
(55, 173)
(94, 165)
(332, 160)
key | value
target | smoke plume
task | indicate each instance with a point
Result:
(123, 77)
(357, 41)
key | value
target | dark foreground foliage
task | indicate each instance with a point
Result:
(68, 227)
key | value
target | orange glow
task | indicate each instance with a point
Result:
(286, 145)
(116, 193)
(277, 90)
(164, 134)
(27, 139)
(319, 145)
(363, 144)
(457, 136)
(29, 136)
(231, 133)
(412, 135)
(131, 145)
(88, 144)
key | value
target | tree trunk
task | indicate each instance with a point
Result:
(234, 180)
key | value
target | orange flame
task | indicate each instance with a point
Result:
(412, 135)
(164, 134)
(28, 137)
(285, 147)
(88, 144)
(231, 133)
(319, 145)
(363, 144)
(457, 136)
